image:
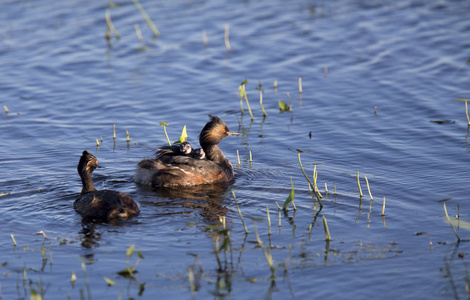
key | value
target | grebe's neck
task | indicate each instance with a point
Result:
(87, 182)
(214, 153)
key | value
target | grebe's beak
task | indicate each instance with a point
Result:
(233, 133)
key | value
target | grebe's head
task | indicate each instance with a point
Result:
(214, 132)
(198, 153)
(185, 148)
(88, 162)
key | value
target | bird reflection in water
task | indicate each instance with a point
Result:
(208, 200)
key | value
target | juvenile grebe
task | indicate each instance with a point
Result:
(169, 170)
(198, 153)
(182, 149)
(103, 204)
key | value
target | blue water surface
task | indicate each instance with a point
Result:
(379, 84)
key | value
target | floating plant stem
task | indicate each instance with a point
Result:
(110, 24)
(300, 85)
(243, 93)
(109, 281)
(466, 112)
(87, 283)
(290, 99)
(266, 252)
(227, 42)
(261, 103)
(251, 157)
(290, 198)
(448, 219)
(138, 32)
(312, 187)
(147, 18)
(359, 184)
(334, 185)
(368, 188)
(315, 176)
(216, 251)
(73, 278)
(326, 189)
(127, 136)
(327, 231)
(97, 143)
(6, 109)
(114, 131)
(13, 238)
(269, 220)
(239, 212)
(4, 194)
(383, 208)
(302, 169)
(44, 255)
(164, 125)
(238, 157)
(466, 108)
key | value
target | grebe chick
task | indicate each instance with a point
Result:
(169, 170)
(105, 204)
(182, 149)
(198, 153)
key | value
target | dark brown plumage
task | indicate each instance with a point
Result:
(105, 204)
(169, 170)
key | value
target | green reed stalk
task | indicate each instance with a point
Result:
(239, 212)
(238, 157)
(87, 283)
(448, 219)
(147, 18)
(368, 188)
(466, 113)
(327, 231)
(13, 238)
(226, 38)
(261, 102)
(383, 208)
(138, 32)
(466, 108)
(216, 251)
(164, 125)
(266, 252)
(269, 220)
(315, 176)
(317, 196)
(110, 24)
(243, 92)
(128, 137)
(359, 184)
(300, 85)
(114, 131)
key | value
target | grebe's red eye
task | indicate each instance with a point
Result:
(223, 130)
